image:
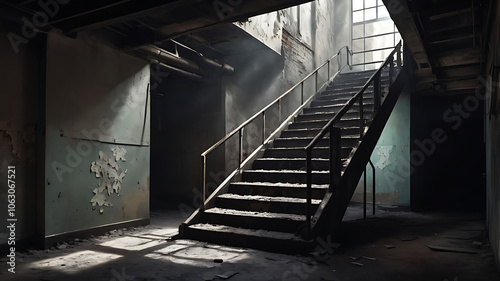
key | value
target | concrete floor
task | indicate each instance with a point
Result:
(389, 246)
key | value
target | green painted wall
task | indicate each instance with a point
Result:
(97, 100)
(391, 158)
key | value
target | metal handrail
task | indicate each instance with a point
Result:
(239, 129)
(335, 158)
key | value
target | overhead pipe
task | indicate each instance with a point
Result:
(178, 71)
(169, 58)
(172, 59)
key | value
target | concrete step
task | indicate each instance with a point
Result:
(367, 99)
(313, 132)
(368, 94)
(259, 203)
(271, 241)
(349, 140)
(352, 113)
(290, 163)
(299, 152)
(336, 108)
(284, 176)
(319, 124)
(254, 220)
(277, 189)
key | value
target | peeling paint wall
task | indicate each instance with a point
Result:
(97, 116)
(19, 92)
(391, 158)
(307, 40)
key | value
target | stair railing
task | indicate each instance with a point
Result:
(240, 129)
(335, 132)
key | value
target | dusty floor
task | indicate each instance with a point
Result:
(389, 246)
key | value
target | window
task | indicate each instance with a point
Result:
(373, 33)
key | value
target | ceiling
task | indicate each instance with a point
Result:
(446, 40)
(133, 23)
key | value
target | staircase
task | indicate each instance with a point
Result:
(266, 209)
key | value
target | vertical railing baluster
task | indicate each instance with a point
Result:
(328, 70)
(301, 93)
(240, 154)
(361, 117)
(335, 157)
(391, 69)
(373, 184)
(316, 86)
(279, 111)
(203, 178)
(399, 57)
(263, 127)
(364, 194)
(308, 191)
(377, 92)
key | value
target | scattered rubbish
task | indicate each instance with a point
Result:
(358, 264)
(61, 247)
(218, 260)
(120, 232)
(408, 238)
(389, 246)
(369, 258)
(354, 258)
(477, 243)
(451, 249)
(227, 275)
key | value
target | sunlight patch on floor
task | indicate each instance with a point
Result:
(75, 261)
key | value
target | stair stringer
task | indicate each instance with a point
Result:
(329, 215)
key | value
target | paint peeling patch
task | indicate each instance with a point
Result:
(384, 152)
(110, 175)
(23, 143)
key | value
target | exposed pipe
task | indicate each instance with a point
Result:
(178, 70)
(185, 64)
(172, 59)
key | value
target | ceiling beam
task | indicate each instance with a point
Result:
(403, 18)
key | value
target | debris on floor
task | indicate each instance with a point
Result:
(227, 275)
(451, 249)
(358, 264)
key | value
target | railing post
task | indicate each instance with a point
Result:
(328, 70)
(361, 117)
(240, 154)
(301, 93)
(203, 179)
(316, 82)
(263, 127)
(335, 157)
(377, 92)
(348, 52)
(391, 70)
(399, 57)
(373, 184)
(364, 194)
(308, 191)
(279, 111)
